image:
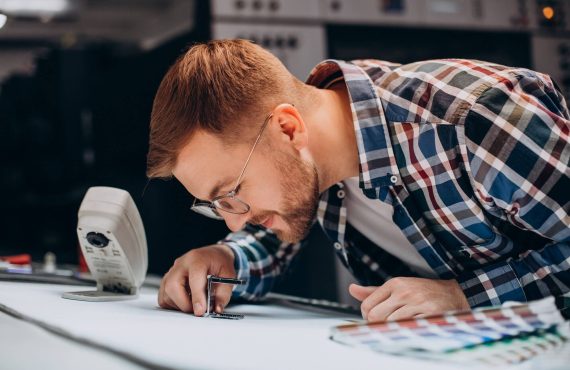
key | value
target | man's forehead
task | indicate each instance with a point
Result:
(205, 164)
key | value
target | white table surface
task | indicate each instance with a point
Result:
(270, 337)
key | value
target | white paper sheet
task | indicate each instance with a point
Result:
(270, 336)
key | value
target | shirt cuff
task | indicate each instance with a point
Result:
(241, 265)
(491, 285)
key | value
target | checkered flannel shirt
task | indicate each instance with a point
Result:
(474, 158)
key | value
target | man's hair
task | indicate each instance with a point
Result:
(223, 87)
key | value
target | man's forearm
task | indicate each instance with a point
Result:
(260, 258)
(534, 275)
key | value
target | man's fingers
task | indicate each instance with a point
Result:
(223, 296)
(176, 291)
(383, 310)
(164, 301)
(160, 297)
(223, 292)
(360, 292)
(378, 296)
(184, 285)
(197, 279)
(404, 312)
(169, 304)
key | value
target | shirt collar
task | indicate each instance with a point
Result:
(377, 165)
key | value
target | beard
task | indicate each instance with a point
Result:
(300, 188)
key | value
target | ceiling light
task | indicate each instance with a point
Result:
(548, 12)
(33, 7)
(3, 20)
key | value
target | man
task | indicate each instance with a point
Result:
(442, 184)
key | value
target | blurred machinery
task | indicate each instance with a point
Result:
(527, 33)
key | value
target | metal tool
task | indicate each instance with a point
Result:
(210, 312)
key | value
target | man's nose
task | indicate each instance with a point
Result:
(235, 222)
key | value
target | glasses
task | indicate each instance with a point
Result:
(228, 202)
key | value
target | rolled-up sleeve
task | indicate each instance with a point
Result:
(517, 138)
(260, 258)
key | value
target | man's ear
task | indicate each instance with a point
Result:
(291, 125)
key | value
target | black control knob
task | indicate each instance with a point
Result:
(292, 42)
(274, 6)
(257, 5)
(239, 4)
(97, 240)
(266, 42)
(336, 5)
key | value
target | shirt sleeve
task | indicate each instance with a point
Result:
(517, 138)
(260, 258)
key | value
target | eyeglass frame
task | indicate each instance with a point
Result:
(231, 194)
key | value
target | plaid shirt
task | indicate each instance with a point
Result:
(474, 158)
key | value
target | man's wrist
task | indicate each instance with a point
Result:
(462, 302)
(241, 265)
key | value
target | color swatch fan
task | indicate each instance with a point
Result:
(494, 336)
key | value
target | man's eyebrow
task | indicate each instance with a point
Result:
(216, 189)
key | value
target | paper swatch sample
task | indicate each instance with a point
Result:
(495, 335)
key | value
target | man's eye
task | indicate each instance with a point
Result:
(225, 204)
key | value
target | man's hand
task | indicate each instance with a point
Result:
(405, 297)
(184, 285)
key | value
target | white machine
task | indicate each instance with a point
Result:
(113, 241)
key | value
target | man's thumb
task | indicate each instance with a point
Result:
(361, 292)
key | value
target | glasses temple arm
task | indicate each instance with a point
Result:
(251, 151)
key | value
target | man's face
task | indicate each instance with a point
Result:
(280, 187)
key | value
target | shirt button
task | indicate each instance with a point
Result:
(340, 194)
(393, 179)
(337, 246)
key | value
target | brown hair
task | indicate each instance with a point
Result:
(219, 87)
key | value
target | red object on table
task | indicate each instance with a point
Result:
(82, 263)
(18, 259)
